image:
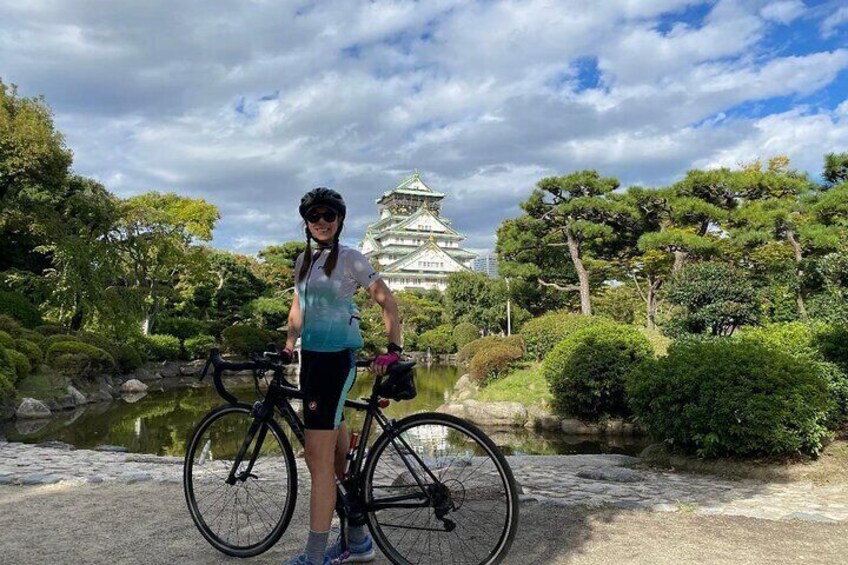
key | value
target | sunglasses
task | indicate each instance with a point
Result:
(329, 216)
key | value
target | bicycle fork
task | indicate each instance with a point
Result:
(258, 429)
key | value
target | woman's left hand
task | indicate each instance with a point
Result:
(382, 362)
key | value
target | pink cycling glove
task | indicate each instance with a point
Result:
(387, 359)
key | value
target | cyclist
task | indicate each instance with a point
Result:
(324, 317)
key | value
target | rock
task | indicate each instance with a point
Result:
(111, 448)
(40, 479)
(143, 374)
(496, 413)
(541, 419)
(28, 427)
(117, 382)
(67, 402)
(55, 444)
(52, 405)
(614, 474)
(655, 453)
(453, 409)
(78, 397)
(32, 409)
(465, 383)
(192, 368)
(133, 397)
(107, 380)
(100, 396)
(133, 385)
(169, 370)
(576, 427)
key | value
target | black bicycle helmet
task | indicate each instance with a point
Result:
(322, 196)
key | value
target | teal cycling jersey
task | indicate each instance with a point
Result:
(330, 319)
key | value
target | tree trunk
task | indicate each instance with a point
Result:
(679, 260)
(582, 275)
(653, 303)
(799, 272)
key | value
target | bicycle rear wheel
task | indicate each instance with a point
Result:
(473, 490)
(248, 517)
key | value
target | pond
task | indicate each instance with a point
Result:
(161, 422)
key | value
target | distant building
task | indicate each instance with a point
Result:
(488, 265)
(413, 244)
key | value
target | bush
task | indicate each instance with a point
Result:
(467, 353)
(659, 342)
(464, 333)
(542, 334)
(31, 350)
(18, 307)
(7, 374)
(82, 359)
(48, 341)
(516, 341)
(494, 361)
(199, 346)
(6, 340)
(731, 397)
(22, 365)
(50, 329)
(96, 340)
(437, 340)
(832, 342)
(29, 335)
(243, 340)
(161, 347)
(127, 358)
(9, 325)
(587, 370)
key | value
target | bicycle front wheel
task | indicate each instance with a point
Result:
(440, 492)
(240, 512)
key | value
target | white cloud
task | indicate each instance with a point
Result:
(783, 12)
(834, 21)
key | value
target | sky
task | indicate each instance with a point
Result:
(249, 103)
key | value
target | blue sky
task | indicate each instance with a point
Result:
(249, 104)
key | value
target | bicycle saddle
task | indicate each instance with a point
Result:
(400, 382)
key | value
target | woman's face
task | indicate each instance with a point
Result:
(323, 230)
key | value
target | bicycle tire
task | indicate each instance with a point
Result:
(273, 475)
(454, 450)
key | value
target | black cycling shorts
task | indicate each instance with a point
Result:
(325, 379)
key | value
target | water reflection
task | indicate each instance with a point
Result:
(161, 422)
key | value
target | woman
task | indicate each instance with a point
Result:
(324, 317)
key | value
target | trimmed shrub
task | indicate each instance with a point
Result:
(21, 364)
(48, 341)
(161, 347)
(18, 307)
(9, 325)
(31, 350)
(127, 358)
(198, 347)
(437, 340)
(731, 397)
(243, 340)
(29, 335)
(516, 341)
(659, 342)
(464, 333)
(6, 340)
(494, 361)
(101, 361)
(542, 334)
(51, 329)
(467, 353)
(7, 374)
(587, 370)
(96, 340)
(832, 342)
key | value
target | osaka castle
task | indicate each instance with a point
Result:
(414, 245)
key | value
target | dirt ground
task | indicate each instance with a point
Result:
(149, 524)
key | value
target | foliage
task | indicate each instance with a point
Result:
(543, 333)
(7, 374)
(516, 341)
(620, 303)
(6, 340)
(199, 346)
(526, 385)
(50, 329)
(835, 168)
(717, 297)
(586, 371)
(731, 397)
(48, 341)
(22, 365)
(492, 362)
(127, 358)
(270, 313)
(18, 307)
(469, 350)
(832, 341)
(659, 342)
(477, 299)
(87, 360)
(437, 340)
(419, 311)
(464, 333)
(244, 340)
(31, 350)
(9, 325)
(161, 347)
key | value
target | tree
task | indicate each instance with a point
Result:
(835, 168)
(277, 266)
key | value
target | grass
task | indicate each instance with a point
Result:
(41, 385)
(525, 385)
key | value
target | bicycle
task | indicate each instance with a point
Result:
(432, 488)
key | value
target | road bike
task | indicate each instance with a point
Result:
(432, 488)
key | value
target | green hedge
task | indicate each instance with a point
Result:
(18, 307)
(22, 365)
(100, 360)
(160, 347)
(10, 325)
(437, 340)
(6, 340)
(464, 333)
(198, 347)
(7, 374)
(731, 397)
(127, 358)
(51, 329)
(832, 342)
(48, 341)
(542, 334)
(467, 353)
(493, 361)
(587, 370)
(31, 350)
(243, 340)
